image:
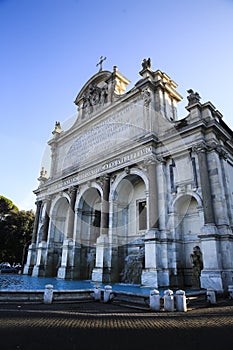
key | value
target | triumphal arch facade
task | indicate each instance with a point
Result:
(135, 194)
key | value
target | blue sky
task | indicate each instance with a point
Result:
(49, 49)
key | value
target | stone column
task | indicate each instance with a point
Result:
(101, 272)
(39, 270)
(105, 205)
(65, 270)
(73, 193)
(46, 221)
(149, 274)
(27, 270)
(36, 222)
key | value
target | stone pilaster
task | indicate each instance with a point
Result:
(211, 273)
(163, 271)
(205, 185)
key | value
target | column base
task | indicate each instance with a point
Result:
(38, 271)
(97, 274)
(65, 272)
(149, 278)
(163, 278)
(27, 270)
(31, 258)
(39, 268)
(212, 279)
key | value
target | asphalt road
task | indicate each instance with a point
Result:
(97, 325)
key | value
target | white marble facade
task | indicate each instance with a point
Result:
(132, 188)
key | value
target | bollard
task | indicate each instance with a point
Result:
(155, 300)
(97, 292)
(211, 296)
(230, 291)
(107, 293)
(168, 300)
(48, 294)
(181, 302)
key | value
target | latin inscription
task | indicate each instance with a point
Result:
(97, 171)
(114, 131)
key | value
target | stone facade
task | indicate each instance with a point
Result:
(132, 190)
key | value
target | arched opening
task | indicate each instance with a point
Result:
(129, 226)
(58, 227)
(188, 227)
(88, 230)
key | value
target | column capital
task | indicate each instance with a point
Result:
(72, 190)
(201, 147)
(220, 149)
(38, 203)
(152, 159)
(102, 179)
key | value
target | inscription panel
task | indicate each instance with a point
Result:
(122, 127)
(97, 171)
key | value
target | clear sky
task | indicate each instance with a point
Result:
(50, 48)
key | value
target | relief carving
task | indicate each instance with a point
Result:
(146, 95)
(93, 96)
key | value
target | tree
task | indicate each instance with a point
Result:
(6, 207)
(15, 231)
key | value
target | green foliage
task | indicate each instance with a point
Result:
(6, 207)
(16, 229)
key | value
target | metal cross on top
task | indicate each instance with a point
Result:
(100, 63)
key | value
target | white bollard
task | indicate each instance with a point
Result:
(155, 300)
(97, 292)
(168, 300)
(211, 296)
(107, 293)
(48, 294)
(230, 291)
(181, 302)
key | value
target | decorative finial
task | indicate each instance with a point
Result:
(101, 62)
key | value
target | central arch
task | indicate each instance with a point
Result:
(89, 214)
(129, 224)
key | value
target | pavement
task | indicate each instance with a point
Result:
(98, 325)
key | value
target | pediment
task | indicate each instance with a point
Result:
(93, 85)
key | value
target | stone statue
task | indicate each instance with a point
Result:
(197, 266)
(193, 97)
(133, 267)
(146, 63)
(90, 262)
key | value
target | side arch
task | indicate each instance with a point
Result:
(188, 221)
